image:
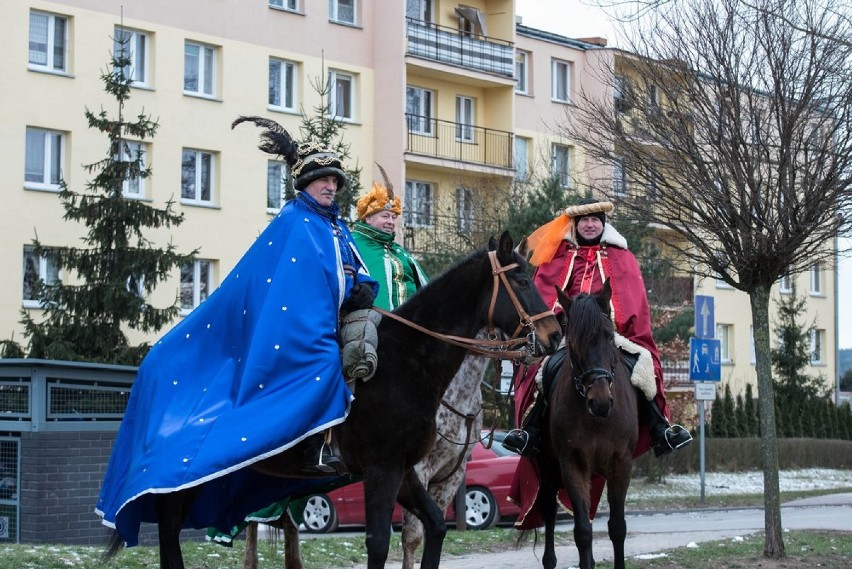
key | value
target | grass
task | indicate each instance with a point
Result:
(804, 548)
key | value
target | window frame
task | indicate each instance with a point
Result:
(563, 177)
(198, 177)
(291, 5)
(50, 44)
(817, 346)
(419, 195)
(464, 210)
(134, 37)
(522, 84)
(283, 184)
(816, 279)
(197, 291)
(465, 119)
(725, 334)
(129, 149)
(286, 69)
(335, 81)
(51, 159)
(334, 12)
(555, 76)
(44, 266)
(785, 283)
(417, 120)
(522, 175)
(206, 62)
(619, 177)
(425, 10)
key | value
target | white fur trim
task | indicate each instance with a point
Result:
(610, 236)
(643, 374)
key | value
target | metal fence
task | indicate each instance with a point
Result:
(456, 141)
(456, 47)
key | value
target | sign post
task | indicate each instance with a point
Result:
(705, 364)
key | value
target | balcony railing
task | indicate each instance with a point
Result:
(449, 45)
(457, 141)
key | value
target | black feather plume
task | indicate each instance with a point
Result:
(275, 139)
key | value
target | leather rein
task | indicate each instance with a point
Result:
(515, 347)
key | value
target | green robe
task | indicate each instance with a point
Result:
(397, 272)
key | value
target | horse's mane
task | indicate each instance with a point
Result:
(586, 320)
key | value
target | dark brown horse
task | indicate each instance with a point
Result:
(391, 425)
(593, 427)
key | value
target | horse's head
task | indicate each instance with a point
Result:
(515, 303)
(589, 337)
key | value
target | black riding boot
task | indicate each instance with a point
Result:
(525, 441)
(664, 436)
(319, 458)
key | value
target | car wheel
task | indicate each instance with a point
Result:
(481, 508)
(319, 514)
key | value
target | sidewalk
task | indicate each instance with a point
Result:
(654, 533)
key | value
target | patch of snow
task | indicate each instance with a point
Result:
(725, 483)
(650, 556)
(692, 545)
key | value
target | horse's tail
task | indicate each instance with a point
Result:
(524, 536)
(116, 544)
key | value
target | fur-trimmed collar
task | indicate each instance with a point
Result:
(610, 236)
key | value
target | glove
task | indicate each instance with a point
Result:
(360, 297)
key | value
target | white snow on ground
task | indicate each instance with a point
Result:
(724, 483)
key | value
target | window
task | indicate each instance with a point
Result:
(618, 94)
(560, 166)
(418, 109)
(291, 5)
(817, 346)
(725, 335)
(561, 81)
(341, 95)
(42, 268)
(816, 279)
(418, 204)
(133, 187)
(195, 284)
(522, 152)
(196, 184)
(785, 284)
(48, 42)
(282, 84)
(135, 285)
(652, 187)
(342, 11)
(277, 175)
(521, 77)
(132, 47)
(464, 210)
(653, 99)
(464, 119)
(44, 158)
(619, 178)
(199, 69)
(419, 10)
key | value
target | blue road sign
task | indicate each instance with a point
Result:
(705, 319)
(705, 359)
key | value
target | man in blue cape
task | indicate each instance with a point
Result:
(253, 371)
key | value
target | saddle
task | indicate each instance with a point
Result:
(553, 364)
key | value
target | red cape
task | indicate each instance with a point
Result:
(590, 267)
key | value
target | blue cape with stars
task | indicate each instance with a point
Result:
(251, 372)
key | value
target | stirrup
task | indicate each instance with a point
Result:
(327, 463)
(517, 440)
(674, 437)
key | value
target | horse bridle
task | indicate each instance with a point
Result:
(597, 374)
(515, 347)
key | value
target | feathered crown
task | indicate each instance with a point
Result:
(307, 161)
(380, 198)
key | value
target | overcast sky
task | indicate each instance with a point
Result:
(578, 18)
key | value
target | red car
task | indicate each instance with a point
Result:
(489, 474)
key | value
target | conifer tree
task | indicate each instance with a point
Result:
(326, 128)
(792, 352)
(107, 281)
(752, 420)
(728, 406)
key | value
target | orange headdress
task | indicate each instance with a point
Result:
(378, 199)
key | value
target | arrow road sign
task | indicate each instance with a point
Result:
(705, 319)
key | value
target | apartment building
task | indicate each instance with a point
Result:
(458, 102)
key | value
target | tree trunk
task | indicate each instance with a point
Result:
(774, 545)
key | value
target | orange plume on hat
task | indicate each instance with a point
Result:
(380, 198)
(546, 239)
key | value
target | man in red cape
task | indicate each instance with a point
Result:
(577, 252)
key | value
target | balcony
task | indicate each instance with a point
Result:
(457, 141)
(454, 47)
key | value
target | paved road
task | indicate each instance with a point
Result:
(654, 533)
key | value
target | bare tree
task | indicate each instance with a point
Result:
(728, 127)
